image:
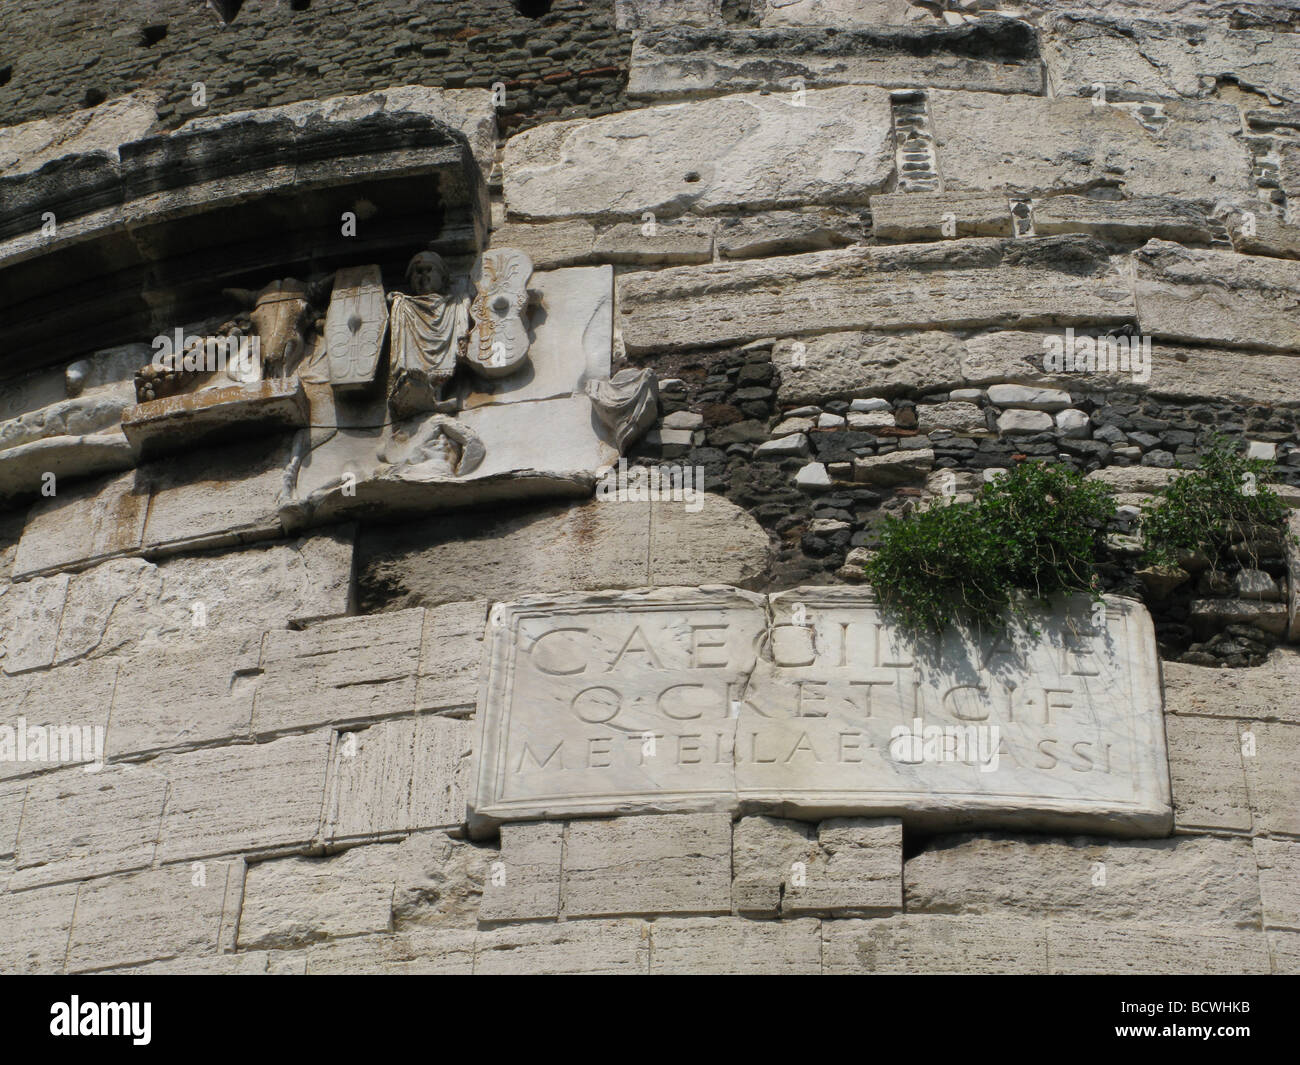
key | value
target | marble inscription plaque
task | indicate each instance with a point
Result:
(808, 703)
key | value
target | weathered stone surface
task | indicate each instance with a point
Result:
(398, 776)
(527, 884)
(79, 824)
(30, 145)
(1279, 880)
(70, 709)
(125, 604)
(830, 12)
(1024, 422)
(1264, 236)
(549, 245)
(898, 467)
(779, 733)
(83, 525)
(339, 672)
(965, 419)
(987, 141)
(1141, 59)
(677, 240)
(1268, 617)
(36, 926)
(866, 364)
(857, 869)
(733, 945)
(1270, 777)
(1293, 576)
(926, 943)
(450, 656)
(26, 468)
(500, 555)
(1207, 776)
(1211, 296)
(1203, 880)
(1049, 399)
(933, 215)
(211, 415)
(647, 14)
(1089, 947)
(157, 913)
(747, 150)
(788, 232)
(619, 946)
(764, 853)
(445, 952)
(969, 282)
(1262, 693)
(630, 865)
(1135, 219)
(218, 800)
(148, 716)
(997, 56)
(11, 815)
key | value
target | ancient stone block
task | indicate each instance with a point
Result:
(1207, 296)
(527, 883)
(450, 656)
(1206, 772)
(445, 952)
(84, 524)
(764, 853)
(1279, 879)
(1205, 881)
(647, 14)
(339, 672)
(174, 911)
(27, 468)
(398, 776)
(992, 56)
(79, 824)
(213, 415)
(988, 141)
(866, 364)
(788, 232)
(1133, 220)
(549, 245)
(37, 924)
(830, 12)
(1144, 59)
(245, 798)
(925, 943)
(706, 156)
(840, 753)
(619, 946)
(55, 717)
(1270, 776)
(1089, 947)
(30, 613)
(679, 240)
(630, 865)
(906, 216)
(1262, 693)
(857, 869)
(11, 813)
(733, 945)
(1057, 278)
(898, 467)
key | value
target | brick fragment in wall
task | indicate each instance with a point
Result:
(1245, 301)
(1206, 774)
(704, 156)
(1205, 881)
(1030, 144)
(910, 285)
(398, 776)
(176, 910)
(1270, 776)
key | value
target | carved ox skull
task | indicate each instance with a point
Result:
(282, 315)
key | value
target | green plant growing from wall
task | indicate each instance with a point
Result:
(1207, 510)
(1037, 530)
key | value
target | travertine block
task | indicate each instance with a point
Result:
(631, 865)
(527, 883)
(857, 868)
(765, 852)
(451, 654)
(83, 524)
(569, 947)
(65, 708)
(245, 798)
(926, 943)
(338, 672)
(398, 776)
(734, 945)
(1173, 949)
(36, 926)
(1203, 880)
(444, 952)
(1270, 777)
(1207, 775)
(1279, 882)
(177, 910)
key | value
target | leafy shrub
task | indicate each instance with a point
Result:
(1038, 529)
(1209, 508)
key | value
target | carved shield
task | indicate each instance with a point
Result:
(498, 344)
(354, 326)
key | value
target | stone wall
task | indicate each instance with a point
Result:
(816, 250)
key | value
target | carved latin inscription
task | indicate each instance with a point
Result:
(812, 703)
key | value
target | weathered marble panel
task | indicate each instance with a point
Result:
(809, 704)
